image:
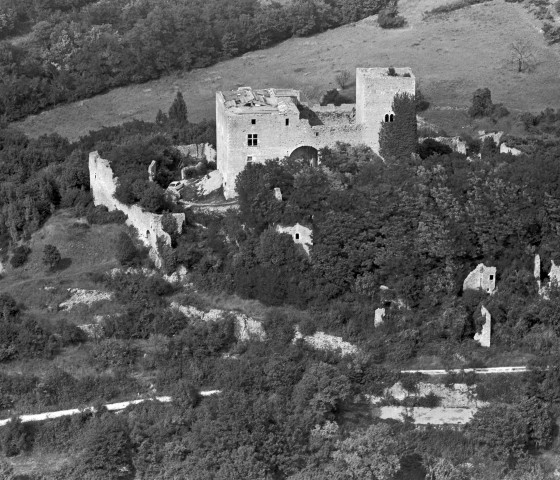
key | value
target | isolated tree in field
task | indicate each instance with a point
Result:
(51, 256)
(343, 78)
(389, 18)
(522, 56)
(482, 105)
(178, 111)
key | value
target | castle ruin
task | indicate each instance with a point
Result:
(257, 125)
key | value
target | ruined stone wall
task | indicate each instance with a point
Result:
(300, 234)
(481, 278)
(511, 150)
(484, 337)
(275, 139)
(375, 91)
(103, 186)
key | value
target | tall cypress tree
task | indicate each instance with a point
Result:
(178, 111)
(398, 139)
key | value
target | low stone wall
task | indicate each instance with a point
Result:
(148, 225)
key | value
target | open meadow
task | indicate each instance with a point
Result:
(452, 55)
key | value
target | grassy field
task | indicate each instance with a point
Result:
(451, 55)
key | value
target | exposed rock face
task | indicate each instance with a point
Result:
(481, 278)
(246, 328)
(210, 183)
(299, 233)
(324, 341)
(484, 337)
(86, 297)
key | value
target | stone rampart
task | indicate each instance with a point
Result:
(511, 150)
(148, 225)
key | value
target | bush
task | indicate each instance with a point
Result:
(19, 256)
(125, 251)
(450, 7)
(51, 256)
(389, 18)
(334, 96)
(114, 353)
(101, 215)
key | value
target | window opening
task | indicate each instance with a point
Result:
(253, 121)
(391, 117)
(287, 122)
(252, 140)
(491, 277)
(316, 134)
(249, 159)
(386, 117)
(297, 236)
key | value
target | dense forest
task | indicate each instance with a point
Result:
(400, 232)
(79, 48)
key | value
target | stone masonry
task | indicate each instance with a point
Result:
(481, 278)
(300, 234)
(257, 125)
(103, 185)
(484, 337)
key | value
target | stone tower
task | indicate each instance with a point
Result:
(253, 125)
(375, 91)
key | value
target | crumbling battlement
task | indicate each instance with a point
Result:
(148, 225)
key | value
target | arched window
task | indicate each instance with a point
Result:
(391, 118)
(386, 117)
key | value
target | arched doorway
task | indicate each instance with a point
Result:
(307, 154)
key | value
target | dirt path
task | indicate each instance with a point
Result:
(482, 371)
(37, 417)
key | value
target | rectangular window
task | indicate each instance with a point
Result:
(253, 121)
(252, 140)
(287, 121)
(249, 159)
(316, 134)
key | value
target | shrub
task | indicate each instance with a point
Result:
(429, 401)
(114, 353)
(101, 215)
(334, 96)
(450, 7)
(19, 256)
(51, 256)
(125, 250)
(481, 103)
(342, 78)
(389, 18)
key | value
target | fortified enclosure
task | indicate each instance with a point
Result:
(257, 125)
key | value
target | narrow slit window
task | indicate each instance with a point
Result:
(386, 117)
(297, 236)
(287, 122)
(316, 134)
(391, 117)
(252, 140)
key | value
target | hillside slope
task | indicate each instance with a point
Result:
(451, 55)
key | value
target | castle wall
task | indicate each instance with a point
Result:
(148, 225)
(484, 336)
(375, 91)
(275, 140)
